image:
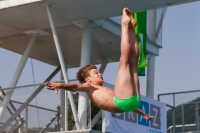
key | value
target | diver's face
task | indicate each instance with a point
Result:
(95, 77)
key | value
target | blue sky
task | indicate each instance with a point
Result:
(177, 66)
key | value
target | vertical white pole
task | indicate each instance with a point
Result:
(62, 63)
(66, 110)
(151, 28)
(86, 43)
(197, 119)
(101, 112)
(26, 122)
(174, 115)
(85, 59)
(101, 70)
(18, 73)
(151, 61)
(62, 105)
(150, 76)
(183, 120)
(20, 129)
(103, 67)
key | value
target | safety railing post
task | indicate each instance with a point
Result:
(183, 120)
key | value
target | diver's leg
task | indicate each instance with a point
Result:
(123, 83)
(134, 58)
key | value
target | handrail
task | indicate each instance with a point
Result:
(187, 125)
(24, 86)
(178, 92)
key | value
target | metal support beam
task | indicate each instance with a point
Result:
(151, 28)
(66, 110)
(18, 73)
(26, 120)
(115, 28)
(14, 126)
(152, 48)
(21, 122)
(13, 107)
(174, 115)
(161, 21)
(58, 122)
(102, 112)
(109, 25)
(150, 77)
(183, 119)
(151, 61)
(62, 63)
(197, 116)
(85, 59)
(103, 66)
(62, 106)
(25, 104)
(49, 123)
(96, 119)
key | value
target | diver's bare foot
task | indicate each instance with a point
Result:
(133, 22)
(126, 16)
(148, 117)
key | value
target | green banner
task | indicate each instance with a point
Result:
(140, 31)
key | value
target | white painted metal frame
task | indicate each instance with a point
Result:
(161, 21)
(102, 112)
(25, 104)
(62, 63)
(151, 32)
(13, 107)
(109, 25)
(85, 60)
(95, 119)
(18, 73)
(49, 123)
(66, 110)
(14, 126)
(62, 106)
(150, 76)
(20, 127)
(115, 28)
(26, 120)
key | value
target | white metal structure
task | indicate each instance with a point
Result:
(62, 63)
(85, 59)
(18, 72)
(26, 103)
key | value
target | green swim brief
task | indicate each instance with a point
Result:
(127, 104)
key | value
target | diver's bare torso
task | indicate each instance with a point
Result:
(102, 97)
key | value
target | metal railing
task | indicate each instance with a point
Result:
(11, 123)
(180, 104)
(24, 115)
